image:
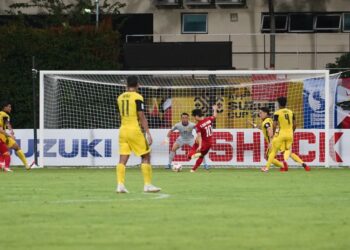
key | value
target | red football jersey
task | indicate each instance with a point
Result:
(205, 127)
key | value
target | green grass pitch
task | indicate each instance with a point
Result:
(221, 209)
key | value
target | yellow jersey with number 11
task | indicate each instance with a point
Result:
(129, 103)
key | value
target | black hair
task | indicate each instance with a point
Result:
(4, 104)
(197, 112)
(265, 109)
(184, 113)
(282, 101)
(132, 81)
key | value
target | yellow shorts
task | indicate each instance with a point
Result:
(282, 143)
(9, 141)
(132, 140)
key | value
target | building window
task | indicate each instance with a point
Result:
(327, 22)
(194, 23)
(301, 23)
(280, 21)
(346, 22)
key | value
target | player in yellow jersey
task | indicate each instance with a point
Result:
(284, 119)
(9, 138)
(131, 139)
(267, 130)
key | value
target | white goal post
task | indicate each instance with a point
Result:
(79, 119)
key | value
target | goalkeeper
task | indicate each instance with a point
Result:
(185, 128)
(9, 139)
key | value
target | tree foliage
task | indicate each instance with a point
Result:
(341, 63)
(57, 47)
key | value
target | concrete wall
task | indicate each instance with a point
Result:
(295, 51)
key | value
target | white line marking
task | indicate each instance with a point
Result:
(156, 197)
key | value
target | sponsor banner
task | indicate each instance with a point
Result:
(231, 147)
(314, 103)
(342, 104)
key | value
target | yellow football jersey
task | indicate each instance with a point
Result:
(129, 103)
(4, 119)
(267, 123)
(285, 119)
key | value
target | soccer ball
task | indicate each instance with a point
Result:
(177, 167)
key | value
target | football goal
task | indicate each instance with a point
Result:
(79, 119)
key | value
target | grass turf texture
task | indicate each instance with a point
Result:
(222, 209)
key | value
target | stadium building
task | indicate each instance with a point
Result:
(310, 34)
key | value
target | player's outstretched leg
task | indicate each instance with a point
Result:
(20, 155)
(197, 164)
(297, 159)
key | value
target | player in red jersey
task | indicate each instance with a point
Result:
(204, 129)
(5, 157)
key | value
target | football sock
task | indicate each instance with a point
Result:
(120, 172)
(147, 173)
(198, 163)
(286, 155)
(7, 159)
(21, 155)
(204, 161)
(271, 158)
(296, 158)
(277, 163)
(171, 157)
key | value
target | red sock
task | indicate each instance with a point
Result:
(198, 163)
(2, 161)
(7, 159)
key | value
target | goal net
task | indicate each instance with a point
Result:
(79, 119)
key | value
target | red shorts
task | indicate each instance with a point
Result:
(3, 148)
(204, 150)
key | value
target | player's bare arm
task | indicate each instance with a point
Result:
(294, 123)
(254, 125)
(144, 124)
(199, 141)
(215, 110)
(275, 123)
(10, 128)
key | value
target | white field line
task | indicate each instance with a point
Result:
(155, 197)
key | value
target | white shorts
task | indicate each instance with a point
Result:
(179, 141)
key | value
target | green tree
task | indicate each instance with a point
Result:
(342, 63)
(65, 44)
(58, 12)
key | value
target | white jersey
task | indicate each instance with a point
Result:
(185, 131)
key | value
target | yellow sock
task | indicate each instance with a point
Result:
(271, 158)
(277, 163)
(296, 158)
(147, 173)
(286, 155)
(21, 155)
(120, 172)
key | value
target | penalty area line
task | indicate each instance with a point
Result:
(150, 197)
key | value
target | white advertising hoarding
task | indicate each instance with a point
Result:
(231, 147)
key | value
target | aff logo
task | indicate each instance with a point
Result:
(71, 148)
